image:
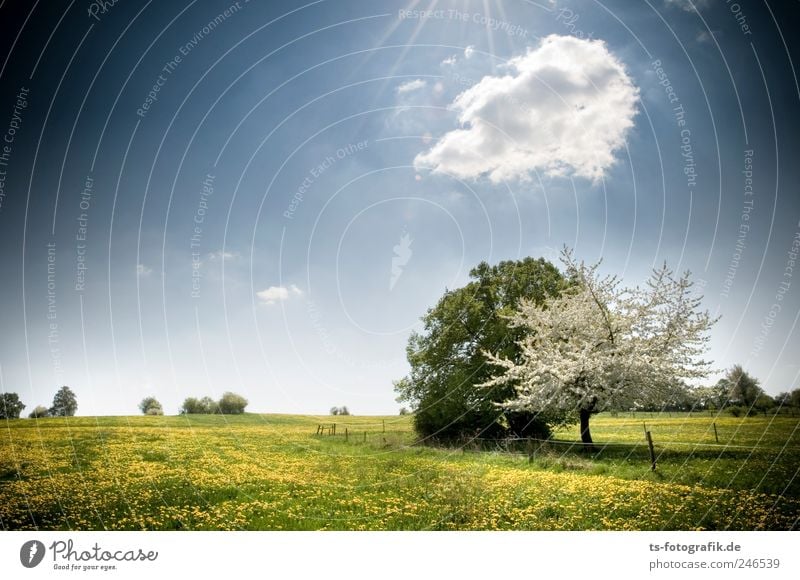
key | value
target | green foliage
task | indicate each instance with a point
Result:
(209, 405)
(713, 397)
(742, 388)
(737, 410)
(763, 402)
(39, 412)
(232, 404)
(194, 406)
(229, 404)
(404, 411)
(191, 406)
(150, 406)
(447, 358)
(64, 403)
(10, 406)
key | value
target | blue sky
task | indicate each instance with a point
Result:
(265, 197)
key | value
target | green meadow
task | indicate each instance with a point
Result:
(275, 472)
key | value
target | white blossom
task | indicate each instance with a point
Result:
(600, 345)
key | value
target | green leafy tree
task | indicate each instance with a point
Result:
(743, 389)
(10, 406)
(64, 403)
(448, 358)
(191, 406)
(232, 404)
(150, 406)
(763, 403)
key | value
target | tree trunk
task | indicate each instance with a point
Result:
(586, 436)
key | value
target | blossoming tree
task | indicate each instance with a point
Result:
(599, 345)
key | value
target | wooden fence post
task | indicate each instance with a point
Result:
(334, 429)
(652, 452)
(365, 436)
(345, 434)
(384, 425)
(715, 432)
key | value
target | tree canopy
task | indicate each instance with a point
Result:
(39, 412)
(598, 345)
(742, 389)
(448, 357)
(232, 404)
(151, 406)
(64, 403)
(195, 406)
(10, 406)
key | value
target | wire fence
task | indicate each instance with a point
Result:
(348, 433)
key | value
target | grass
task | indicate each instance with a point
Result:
(271, 472)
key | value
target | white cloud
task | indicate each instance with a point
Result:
(450, 60)
(687, 5)
(564, 108)
(221, 256)
(469, 51)
(411, 86)
(275, 294)
(707, 36)
(142, 270)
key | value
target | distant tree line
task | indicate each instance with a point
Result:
(340, 410)
(65, 403)
(737, 393)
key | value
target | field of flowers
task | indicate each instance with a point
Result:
(271, 472)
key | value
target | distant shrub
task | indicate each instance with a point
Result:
(404, 411)
(209, 405)
(229, 404)
(232, 404)
(737, 410)
(150, 406)
(340, 411)
(39, 412)
(195, 406)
